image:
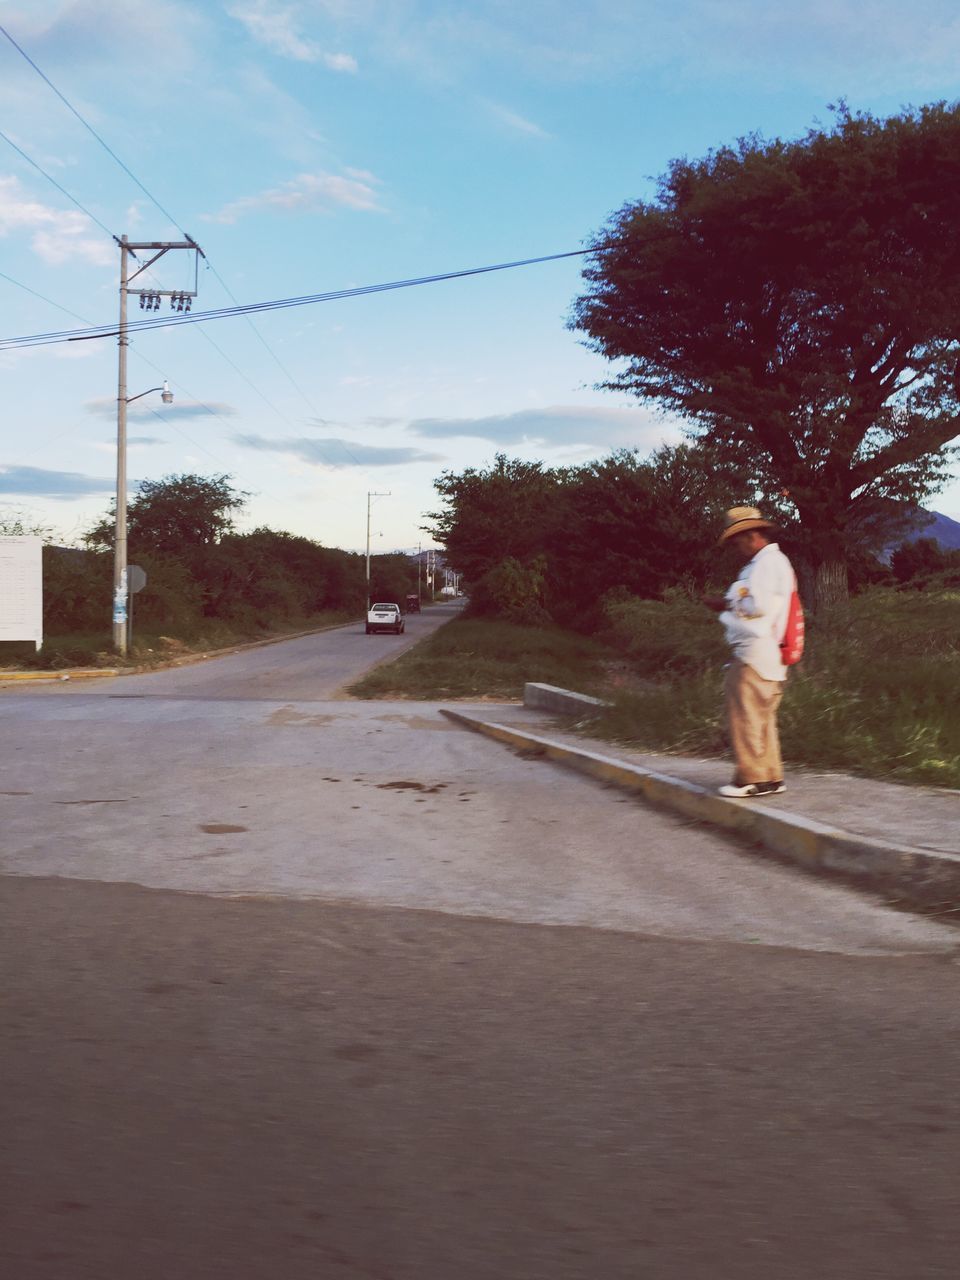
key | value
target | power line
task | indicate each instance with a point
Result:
(167, 420)
(49, 301)
(90, 323)
(137, 355)
(280, 365)
(141, 186)
(200, 317)
(276, 359)
(73, 200)
(237, 309)
(89, 127)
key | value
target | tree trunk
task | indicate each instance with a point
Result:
(831, 585)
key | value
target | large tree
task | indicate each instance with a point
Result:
(494, 514)
(569, 535)
(799, 304)
(643, 524)
(176, 515)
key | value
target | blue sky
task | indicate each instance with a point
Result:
(322, 144)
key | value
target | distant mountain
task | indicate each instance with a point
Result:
(940, 527)
(920, 523)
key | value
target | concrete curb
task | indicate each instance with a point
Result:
(79, 674)
(548, 697)
(918, 876)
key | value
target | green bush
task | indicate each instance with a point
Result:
(878, 690)
(675, 636)
(512, 591)
(77, 590)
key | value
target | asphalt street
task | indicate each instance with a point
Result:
(297, 986)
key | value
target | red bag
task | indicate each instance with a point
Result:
(791, 646)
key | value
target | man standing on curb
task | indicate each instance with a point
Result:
(754, 616)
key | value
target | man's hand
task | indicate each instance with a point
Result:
(716, 603)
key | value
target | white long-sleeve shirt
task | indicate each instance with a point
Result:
(756, 614)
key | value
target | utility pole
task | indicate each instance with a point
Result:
(432, 573)
(419, 592)
(149, 301)
(371, 495)
(120, 530)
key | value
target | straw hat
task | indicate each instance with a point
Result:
(741, 520)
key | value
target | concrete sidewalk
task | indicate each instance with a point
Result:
(903, 840)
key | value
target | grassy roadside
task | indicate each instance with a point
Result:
(150, 648)
(479, 658)
(878, 692)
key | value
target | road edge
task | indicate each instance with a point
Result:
(184, 660)
(919, 877)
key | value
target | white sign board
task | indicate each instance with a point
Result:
(21, 589)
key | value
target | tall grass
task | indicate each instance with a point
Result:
(878, 691)
(479, 657)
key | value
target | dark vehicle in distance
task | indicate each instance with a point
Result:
(412, 604)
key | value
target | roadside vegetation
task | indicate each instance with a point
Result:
(767, 295)
(208, 586)
(793, 303)
(877, 693)
(475, 658)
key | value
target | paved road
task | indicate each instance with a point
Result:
(285, 996)
(196, 1088)
(312, 667)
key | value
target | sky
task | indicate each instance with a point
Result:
(319, 145)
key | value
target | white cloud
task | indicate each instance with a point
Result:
(62, 485)
(333, 451)
(595, 427)
(340, 61)
(133, 442)
(518, 123)
(57, 235)
(107, 408)
(113, 34)
(832, 46)
(307, 193)
(276, 29)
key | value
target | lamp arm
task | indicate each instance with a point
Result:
(130, 399)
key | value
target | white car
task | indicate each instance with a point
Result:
(385, 617)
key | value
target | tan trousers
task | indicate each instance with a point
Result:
(752, 724)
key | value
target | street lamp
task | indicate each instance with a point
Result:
(166, 395)
(120, 533)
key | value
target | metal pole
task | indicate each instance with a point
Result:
(419, 554)
(371, 493)
(120, 534)
(368, 550)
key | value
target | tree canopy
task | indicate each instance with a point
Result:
(798, 303)
(175, 514)
(494, 514)
(181, 530)
(529, 539)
